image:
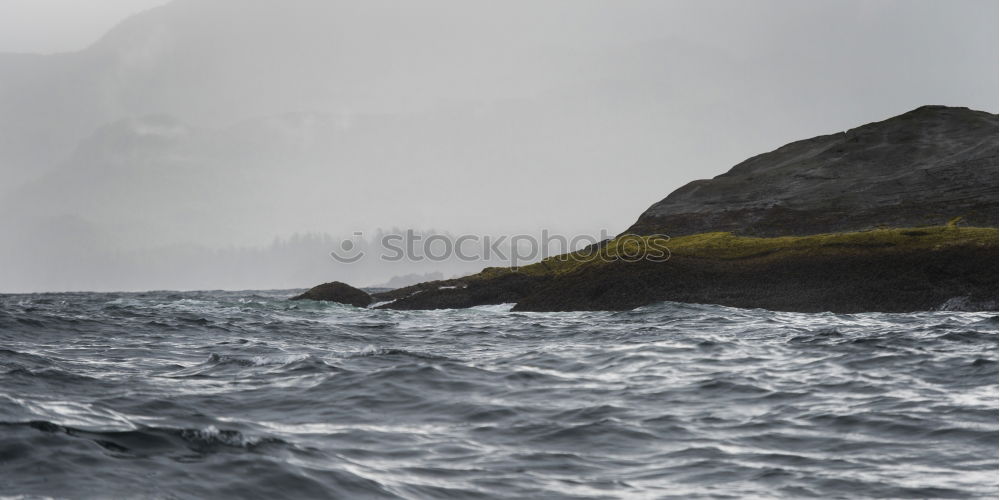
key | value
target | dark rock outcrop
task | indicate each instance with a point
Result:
(336, 291)
(460, 293)
(924, 167)
(884, 280)
(838, 279)
(922, 174)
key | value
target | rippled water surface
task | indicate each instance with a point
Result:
(245, 394)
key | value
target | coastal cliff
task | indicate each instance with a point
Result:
(921, 168)
(895, 216)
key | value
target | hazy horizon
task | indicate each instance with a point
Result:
(202, 127)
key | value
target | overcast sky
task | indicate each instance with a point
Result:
(220, 123)
(46, 26)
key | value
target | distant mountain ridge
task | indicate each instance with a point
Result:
(217, 62)
(924, 167)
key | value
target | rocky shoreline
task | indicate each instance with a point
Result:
(899, 270)
(839, 274)
(894, 216)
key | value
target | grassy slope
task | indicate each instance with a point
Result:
(726, 246)
(905, 269)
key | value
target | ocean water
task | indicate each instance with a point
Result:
(248, 395)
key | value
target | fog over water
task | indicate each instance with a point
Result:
(233, 143)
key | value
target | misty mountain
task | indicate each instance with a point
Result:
(212, 62)
(216, 62)
(168, 178)
(213, 124)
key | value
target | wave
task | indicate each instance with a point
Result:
(152, 441)
(272, 363)
(19, 359)
(52, 375)
(371, 351)
(496, 308)
(209, 394)
(257, 360)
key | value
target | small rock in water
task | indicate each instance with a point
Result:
(335, 291)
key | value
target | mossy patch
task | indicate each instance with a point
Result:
(891, 270)
(726, 246)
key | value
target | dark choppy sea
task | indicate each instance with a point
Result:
(247, 395)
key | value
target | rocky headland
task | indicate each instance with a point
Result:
(921, 168)
(896, 216)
